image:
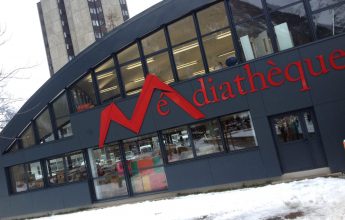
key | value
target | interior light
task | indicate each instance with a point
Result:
(134, 92)
(185, 48)
(225, 54)
(139, 79)
(108, 89)
(198, 72)
(223, 35)
(169, 81)
(187, 65)
(138, 64)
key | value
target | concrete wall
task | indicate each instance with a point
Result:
(112, 13)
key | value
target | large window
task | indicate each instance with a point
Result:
(328, 22)
(108, 172)
(62, 118)
(84, 94)
(216, 36)
(108, 84)
(288, 128)
(239, 131)
(186, 48)
(44, 127)
(145, 164)
(157, 57)
(131, 69)
(26, 177)
(207, 138)
(177, 144)
(291, 26)
(66, 169)
(27, 138)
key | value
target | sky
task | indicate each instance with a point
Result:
(24, 45)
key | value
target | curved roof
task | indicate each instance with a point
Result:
(122, 36)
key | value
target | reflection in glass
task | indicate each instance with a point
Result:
(243, 10)
(44, 127)
(308, 119)
(274, 4)
(56, 171)
(182, 31)
(107, 81)
(291, 26)
(206, 138)
(18, 178)
(107, 171)
(28, 137)
(218, 48)
(330, 22)
(61, 111)
(254, 39)
(14, 147)
(213, 18)
(177, 144)
(161, 67)
(154, 42)
(35, 175)
(288, 128)
(84, 94)
(318, 4)
(188, 60)
(133, 77)
(128, 54)
(239, 131)
(144, 161)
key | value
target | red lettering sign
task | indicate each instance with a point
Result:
(152, 83)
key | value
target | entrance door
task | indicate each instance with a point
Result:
(298, 141)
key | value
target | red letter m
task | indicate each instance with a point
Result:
(113, 113)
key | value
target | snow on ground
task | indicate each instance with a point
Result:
(320, 198)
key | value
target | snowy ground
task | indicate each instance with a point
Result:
(320, 198)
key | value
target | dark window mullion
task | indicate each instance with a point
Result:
(119, 77)
(70, 101)
(125, 169)
(234, 35)
(201, 45)
(142, 58)
(95, 87)
(26, 176)
(221, 130)
(162, 147)
(53, 121)
(44, 172)
(191, 142)
(270, 28)
(171, 54)
(35, 130)
(310, 18)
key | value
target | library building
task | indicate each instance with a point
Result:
(184, 96)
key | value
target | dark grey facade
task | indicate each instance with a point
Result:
(270, 158)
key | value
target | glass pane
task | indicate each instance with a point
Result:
(108, 84)
(308, 119)
(239, 131)
(18, 178)
(212, 18)
(44, 127)
(56, 171)
(218, 47)
(274, 4)
(188, 60)
(76, 167)
(160, 66)
(291, 26)
(330, 22)
(148, 180)
(14, 147)
(177, 144)
(107, 167)
(254, 39)
(133, 77)
(206, 137)
(35, 175)
(61, 111)
(245, 9)
(128, 54)
(182, 31)
(28, 137)
(154, 42)
(318, 4)
(143, 157)
(288, 128)
(84, 94)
